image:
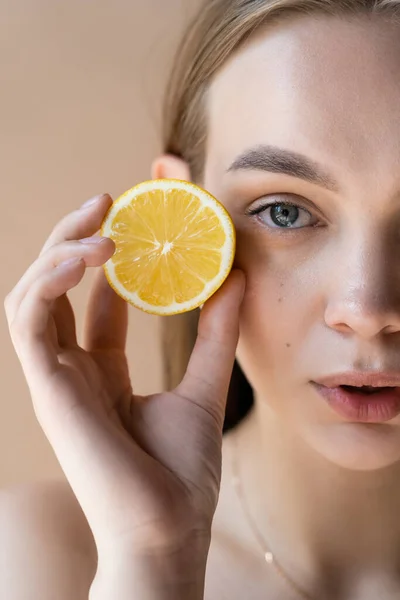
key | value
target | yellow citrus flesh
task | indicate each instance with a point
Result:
(175, 245)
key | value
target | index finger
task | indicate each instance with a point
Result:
(80, 223)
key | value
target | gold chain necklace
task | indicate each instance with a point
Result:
(269, 557)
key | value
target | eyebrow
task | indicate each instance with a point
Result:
(278, 160)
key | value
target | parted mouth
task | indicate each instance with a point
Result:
(366, 381)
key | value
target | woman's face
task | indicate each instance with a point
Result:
(308, 113)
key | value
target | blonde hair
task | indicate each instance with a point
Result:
(220, 29)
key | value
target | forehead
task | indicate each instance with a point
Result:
(323, 86)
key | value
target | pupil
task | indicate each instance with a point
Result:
(284, 215)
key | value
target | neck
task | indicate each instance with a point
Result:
(315, 516)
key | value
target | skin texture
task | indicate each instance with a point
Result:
(324, 492)
(319, 300)
(333, 287)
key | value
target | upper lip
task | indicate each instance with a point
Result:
(358, 379)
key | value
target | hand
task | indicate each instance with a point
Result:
(145, 470)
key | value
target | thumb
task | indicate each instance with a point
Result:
(208, 375)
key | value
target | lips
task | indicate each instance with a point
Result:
(362, 397)
(373, 379)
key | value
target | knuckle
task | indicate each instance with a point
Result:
(10, 305)
(8, 300)
(15, 334)
(16, 329)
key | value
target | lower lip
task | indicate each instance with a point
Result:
(364, 408)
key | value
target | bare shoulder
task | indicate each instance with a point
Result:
(45, 537)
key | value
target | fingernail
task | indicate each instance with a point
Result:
(69, 263)
(93, 201)
(92, 240)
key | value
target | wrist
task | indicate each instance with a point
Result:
(163, 574)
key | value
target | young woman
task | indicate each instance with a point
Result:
(288, 111)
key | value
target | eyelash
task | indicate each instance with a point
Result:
(262, 209)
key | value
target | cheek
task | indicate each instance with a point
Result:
(281, 309)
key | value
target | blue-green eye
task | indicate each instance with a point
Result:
(283, 215)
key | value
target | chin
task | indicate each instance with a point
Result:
(357, 446)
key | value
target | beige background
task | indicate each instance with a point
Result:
(81, 84)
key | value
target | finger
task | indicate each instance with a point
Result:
(106, 323)
(81, 223)
(94, 255)
(65, 323)
(210, 367)
(29, 330)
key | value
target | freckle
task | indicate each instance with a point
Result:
(288, 345)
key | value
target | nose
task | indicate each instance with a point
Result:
(364, 290)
